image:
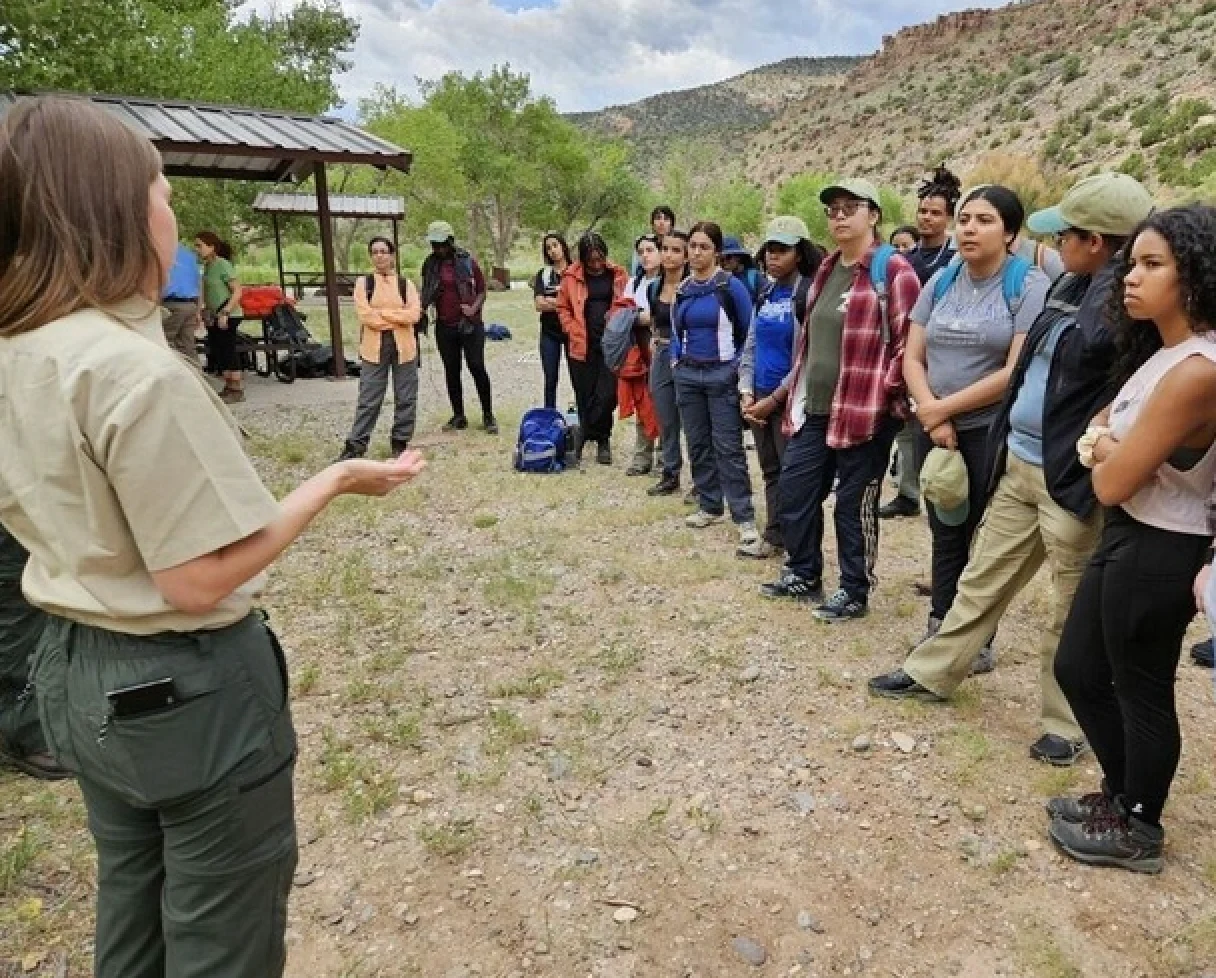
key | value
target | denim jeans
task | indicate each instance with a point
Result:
(551, 348)
(713, 425)
(663, 391)
(807, 472)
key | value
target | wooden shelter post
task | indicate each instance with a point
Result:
(396, 248)
(278, 253)
(331, 277)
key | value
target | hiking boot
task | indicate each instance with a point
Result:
(1202, 654)
(793, 586)
(350, 451)
(932, 628)
(986, 661)
(490, 424)
(639, 467)
(397, 447)
(899, 506)
(691, 498)
(1081, 809)
(457, 422)
(898, 685)
(39, 765)
(759, 549)
(232, 395)
(1057, 751)
(603, 453)
(749, 537)
(841, 606)
(1112, 839)
(701, 519)
(666, 486)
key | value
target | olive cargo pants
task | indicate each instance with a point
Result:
(190, 804)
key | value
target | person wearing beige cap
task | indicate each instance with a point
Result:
(1040, 500)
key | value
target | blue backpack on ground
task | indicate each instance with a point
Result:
(541, 446)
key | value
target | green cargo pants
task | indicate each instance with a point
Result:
(190, 805)
(20, 626)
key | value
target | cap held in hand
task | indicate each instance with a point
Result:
(944, 485)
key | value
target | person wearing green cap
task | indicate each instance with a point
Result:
(790, 259)
(1040, 501)
(843, 401)
(453, 285)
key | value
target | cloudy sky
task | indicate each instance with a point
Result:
(587, 54)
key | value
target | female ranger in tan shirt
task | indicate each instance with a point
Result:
(149, 533)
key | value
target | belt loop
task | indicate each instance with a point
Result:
(204, 642)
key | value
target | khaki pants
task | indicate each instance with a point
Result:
(179, 326)
(1022, 527)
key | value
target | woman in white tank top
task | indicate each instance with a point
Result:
(1153, 452)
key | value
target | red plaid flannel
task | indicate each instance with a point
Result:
(871, 384)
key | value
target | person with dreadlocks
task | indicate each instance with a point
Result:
(590, 288)
(938, 197)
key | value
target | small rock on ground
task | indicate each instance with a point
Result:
(750, 951)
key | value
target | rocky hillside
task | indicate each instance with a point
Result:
(1072, 85)
(732, 109)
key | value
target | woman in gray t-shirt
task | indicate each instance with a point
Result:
(966, 332)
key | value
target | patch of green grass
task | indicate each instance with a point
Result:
(18, 854)
(366, 789)
(1038, 948)
(534, 685)
(508, 730)
(395, 729)
(307, 679)
(618, 658)
(483, 521)
(514, 587)
(1056, 781)
(969, 749)
(591, 716)
(1004, 862)
(290, 448)
(449, 839)
(534, 805)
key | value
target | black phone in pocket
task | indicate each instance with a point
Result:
(160, 694)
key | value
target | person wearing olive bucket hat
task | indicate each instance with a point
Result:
(1041, 505)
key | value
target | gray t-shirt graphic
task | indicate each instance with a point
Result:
(969, 332)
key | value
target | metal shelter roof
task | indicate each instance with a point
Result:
(224, 141)
(340, 205)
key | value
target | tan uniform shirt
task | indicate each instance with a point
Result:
(116, 460)
(387, 310)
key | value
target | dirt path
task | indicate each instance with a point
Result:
(546, 730)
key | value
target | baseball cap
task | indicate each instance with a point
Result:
(1106, 203)
(437, 232)
(732, 246)
(787, 231)
(854, 187)
(943, 483)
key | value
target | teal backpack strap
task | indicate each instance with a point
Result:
(878, 278)
(1013, 281)
(946, 278)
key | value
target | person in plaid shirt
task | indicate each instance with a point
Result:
(844, 401)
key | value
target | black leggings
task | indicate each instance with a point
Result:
(452, 345)
(594, 392)
(1119, 652)
(221, 345)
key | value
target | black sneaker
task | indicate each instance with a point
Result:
(898, 685)
(603, 453)
(1082, 809)
(398, 447)
(1057, 750)
(350, 451)
(794, 586)
(666, 486)
(1111, 839)
(899, 506)
(458, 422)
(1202, 654)
(39, 765)
(841, 606)
(490, 424)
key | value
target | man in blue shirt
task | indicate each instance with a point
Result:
(180, 300)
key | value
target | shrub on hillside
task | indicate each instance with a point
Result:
(1020, 174)
(1134, 166)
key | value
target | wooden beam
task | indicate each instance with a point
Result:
(278, 253)
(331, 276)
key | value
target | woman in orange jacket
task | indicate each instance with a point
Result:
(590, 289)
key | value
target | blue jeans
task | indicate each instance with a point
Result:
(551, 362)
(663, 392)
(808, 470)
(713, 426)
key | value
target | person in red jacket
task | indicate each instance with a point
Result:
(590, 289)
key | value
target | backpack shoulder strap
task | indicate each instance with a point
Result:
(878, 278)
(1013, 281)
(802, 292)
(369, 286)
(726, 299)
(946, 278)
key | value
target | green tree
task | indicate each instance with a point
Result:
(735, 205)
(799, 196)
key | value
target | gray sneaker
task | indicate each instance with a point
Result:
(701, 519)
(986, 661)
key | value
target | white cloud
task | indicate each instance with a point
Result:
(587, 54)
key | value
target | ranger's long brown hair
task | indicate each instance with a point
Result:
(74, 185)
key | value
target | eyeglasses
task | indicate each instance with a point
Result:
(846, 208)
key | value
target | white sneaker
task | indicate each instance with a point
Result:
(748, 534)
(701, 519)
(751, 544)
